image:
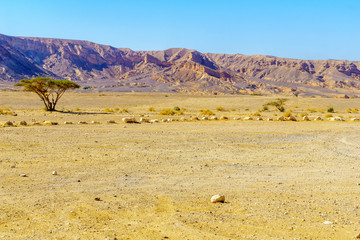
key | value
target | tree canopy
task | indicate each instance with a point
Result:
(49, 90)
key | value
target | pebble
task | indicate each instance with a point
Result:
(23, 175)
(13, 166)
(54, 173)
(217, 198)
(97, 199)
(327, 222)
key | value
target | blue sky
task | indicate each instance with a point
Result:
(316, 29)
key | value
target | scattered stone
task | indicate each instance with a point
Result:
(248, 118)
(340, 119)
(164, 120)
(281, 118)
(358, 236)
(292, 118)
(214, 118)
(82, 122)
(205, 118)
(95, 122)
(144, 120)
(22, 175)
(194, 118)
(66, 122)
(8, 124)
(111, 121)
(13, 166)
(223, 118)
(97, 199)
(269, 119)
(129, 120)
(259, 119)
(318, 119)
(327, 222)
(48, 123)
(355, 120)
(35, 124)
(217, 198)
(182, 119)
(305, 118)
(54, 173)
(23, 123)
(237, 118)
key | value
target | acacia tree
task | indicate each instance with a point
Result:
(49, 90)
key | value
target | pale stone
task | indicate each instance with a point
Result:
(54, 173)
(66, 122)
(248, 118)
(217, 198)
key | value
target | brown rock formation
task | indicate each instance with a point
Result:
(176, 69)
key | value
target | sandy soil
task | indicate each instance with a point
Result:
(281, 180)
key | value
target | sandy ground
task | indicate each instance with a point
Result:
(281, 180)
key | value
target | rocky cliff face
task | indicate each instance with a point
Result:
(177, 69)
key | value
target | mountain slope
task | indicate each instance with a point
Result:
(177, 69)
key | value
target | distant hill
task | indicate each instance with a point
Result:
(177, 69)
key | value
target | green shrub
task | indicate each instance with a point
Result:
(331, 110)
(151, 109)
(220, 109)
(176, 108)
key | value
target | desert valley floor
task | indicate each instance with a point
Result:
(281, 179)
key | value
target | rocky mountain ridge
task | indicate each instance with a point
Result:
(177, 69)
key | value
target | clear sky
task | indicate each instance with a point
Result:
(305, 29)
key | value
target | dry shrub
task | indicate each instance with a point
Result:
(206, 112)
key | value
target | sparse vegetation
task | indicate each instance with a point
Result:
(151, 109)
(328, 115)
(167, 112)
(304, 114)
(108, 110)
(176, 108)
(220, 109)
(311, 110)
(49, 90)
(331, 110)
(278, 104)
(206, 112)
(256, 114)
(287, 114)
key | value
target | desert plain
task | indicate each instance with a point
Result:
(281, 179)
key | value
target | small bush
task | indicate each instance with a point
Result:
(331, 110)
(265, 108)
(304, 114)
(167, 112)
(151, 109)
(328, 115)
(183, 109)
(281, 109)
(311, 110)
(116, 109)
(256, 114)
(246, 109)
(108, 110)
(233, 109)
(206, 112)
(287, 114)
(220, 109)
(124, 110)
(176, 108)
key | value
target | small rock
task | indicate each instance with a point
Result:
(327, 222)
(54, 173)
(97, 199)
(217, 198)
(111, 121)
(13, 166)
(23, 123)
(22, 175)
(67, 122)
(358, 236)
